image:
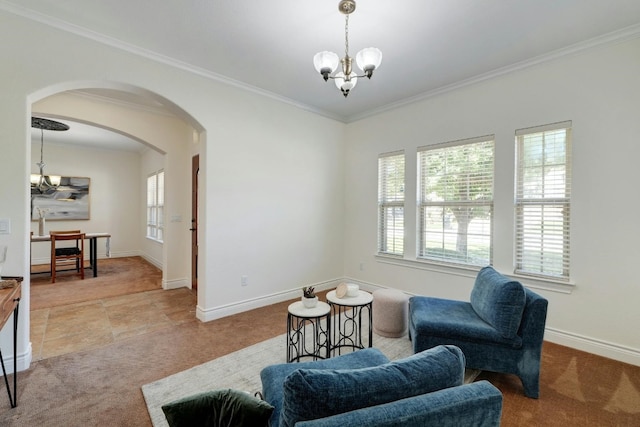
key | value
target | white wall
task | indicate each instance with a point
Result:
(277, 195)
(114, 195)
(271, 182)
(599, 91)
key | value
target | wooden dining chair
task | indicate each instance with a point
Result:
(65, 255)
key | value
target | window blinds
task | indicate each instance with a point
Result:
(391, 203)
(155, 205)
(542, 200)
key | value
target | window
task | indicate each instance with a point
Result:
(155, 206)
(455, 201)
(542, 200)
(391, 203)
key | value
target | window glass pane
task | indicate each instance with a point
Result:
(155, 203)
(160, 190)
(391, 204)
(393, 234)
(543, 203)
(456, 203)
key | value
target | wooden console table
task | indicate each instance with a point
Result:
(10, 303)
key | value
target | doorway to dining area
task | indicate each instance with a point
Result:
(124, 301)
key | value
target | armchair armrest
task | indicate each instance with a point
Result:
(477, 404)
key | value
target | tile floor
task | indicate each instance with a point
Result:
(92, 324)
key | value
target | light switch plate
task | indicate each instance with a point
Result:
(5, 226)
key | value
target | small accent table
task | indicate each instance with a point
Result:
(9, 304)
(347, 314)
(300, 343)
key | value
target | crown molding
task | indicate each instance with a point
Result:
(153, 56)
(618, 36)
(614, 37)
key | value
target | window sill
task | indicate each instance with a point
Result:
(471, 272)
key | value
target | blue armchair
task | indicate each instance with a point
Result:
(364, 388)
(501, 329)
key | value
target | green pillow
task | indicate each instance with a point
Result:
(218, 408)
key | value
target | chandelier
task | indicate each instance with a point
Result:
(43, 182)
(368, 59)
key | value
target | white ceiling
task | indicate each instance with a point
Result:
(267, 46)
(84, 135)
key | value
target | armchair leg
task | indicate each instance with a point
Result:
(531, 384)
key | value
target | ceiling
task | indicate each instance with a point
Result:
(84, 135)
(428, 46)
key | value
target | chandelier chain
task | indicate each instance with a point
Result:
(346, 35)
(41, 145)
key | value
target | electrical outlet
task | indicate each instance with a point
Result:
(244, 280)
(362, 266)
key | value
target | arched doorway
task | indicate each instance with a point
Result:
(168, 137)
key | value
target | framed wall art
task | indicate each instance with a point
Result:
(68, 200)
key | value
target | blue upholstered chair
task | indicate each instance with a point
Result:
(500, 330)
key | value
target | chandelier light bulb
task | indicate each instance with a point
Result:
(345, 85)
(55, 180)
(326, 63)
(369, 59)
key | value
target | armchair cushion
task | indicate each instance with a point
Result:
(499, 301)
(314, 393)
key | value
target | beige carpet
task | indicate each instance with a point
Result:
(241, 370)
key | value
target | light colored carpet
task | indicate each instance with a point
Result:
(241, 370)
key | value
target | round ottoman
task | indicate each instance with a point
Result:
(390, 312)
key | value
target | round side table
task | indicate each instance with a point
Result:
(347, 314)
(308, 342)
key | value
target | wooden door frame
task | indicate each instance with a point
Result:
(195, 170)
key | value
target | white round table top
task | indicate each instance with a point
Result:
(299, 310)
(363, 298)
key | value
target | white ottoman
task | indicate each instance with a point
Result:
(390, 312)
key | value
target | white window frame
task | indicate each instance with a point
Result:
(438, 226)
(543, 204)
(155, 206)
(391, 197)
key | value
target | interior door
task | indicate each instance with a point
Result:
(195, 170)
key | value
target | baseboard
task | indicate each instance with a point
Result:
(124, 254)
(156, 262)
(176, 283)
(568, 339)
(241, 306)
(23, 363)
(594, 346)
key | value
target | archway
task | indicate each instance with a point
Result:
(162, 127)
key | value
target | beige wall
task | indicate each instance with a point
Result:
(114, 206)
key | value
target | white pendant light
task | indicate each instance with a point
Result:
(368, 59)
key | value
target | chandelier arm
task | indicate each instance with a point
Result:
(351, 76)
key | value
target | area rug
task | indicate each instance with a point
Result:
(241, 371)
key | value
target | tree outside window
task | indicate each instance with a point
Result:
(455, 201)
